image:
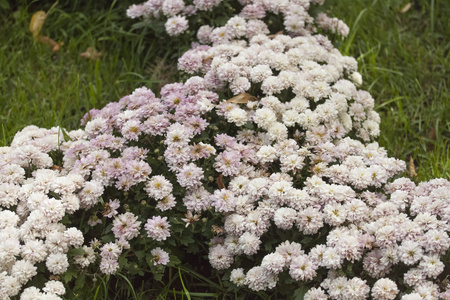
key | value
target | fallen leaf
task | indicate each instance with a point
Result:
(405, 8)
(36, 23)
(91, 53)
(242, 98)
(412, 167)
(50, 42)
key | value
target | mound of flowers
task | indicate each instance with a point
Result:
(263, 163)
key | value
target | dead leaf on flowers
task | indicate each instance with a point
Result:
(242, 98)
(91, 53)
(220, 182)
(208, 59)
(218, 230)
(274, 35)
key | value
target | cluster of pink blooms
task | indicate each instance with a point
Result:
(247, 23)
(301, 161)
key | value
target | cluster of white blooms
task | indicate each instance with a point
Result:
(291, 72)
(41, 196)
(295, 158)
(250, 18)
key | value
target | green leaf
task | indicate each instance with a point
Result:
(350, 270)
(149, 259)
(186, 239)
(158, 276)
(70, 273)
(76, 251)
(108, 228)
(123, 262)
(268, 246)
(307, 240)
(4, 5)
(140, 255)
(299, 293)
(174, 261)
(79, 283)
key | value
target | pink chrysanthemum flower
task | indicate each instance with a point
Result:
(158, 228)
(126, 226)
(160, 257)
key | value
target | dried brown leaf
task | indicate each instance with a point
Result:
(91, 53)
(274, 35)
(208, 59)
(412, 167)
(242, 98)
(405, 8)
(55, 167)
(220, 182)
(218, 230)
(36, 23)
(49, 42)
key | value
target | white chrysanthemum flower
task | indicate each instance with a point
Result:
(176, 25)
(260, 73)
(266, 154)
(249, 243)
(410, 252)
(259, 279)
(302, 269)
(264, 117)
(431, 265)
(315, 294)
(277, 131)
(74, 237)
(10, 286)
(34, 251)
(86, 259)
(57, 263)
(237, 277)
(23, 271)
(54, 287)
(220, 257)
(290, 117)
(240, 85)
(31, 293)
(334, 214)
(271, 85)
(238, 116)
(384, 289)
(273, 262)
(285, 217)
(237, 26)
(158, 187)
(357, 289)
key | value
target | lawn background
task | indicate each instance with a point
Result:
(402, 55)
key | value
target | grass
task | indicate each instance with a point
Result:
(48, 89)
(404, 59)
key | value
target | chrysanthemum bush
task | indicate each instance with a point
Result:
(262, 164)
(224, 20)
